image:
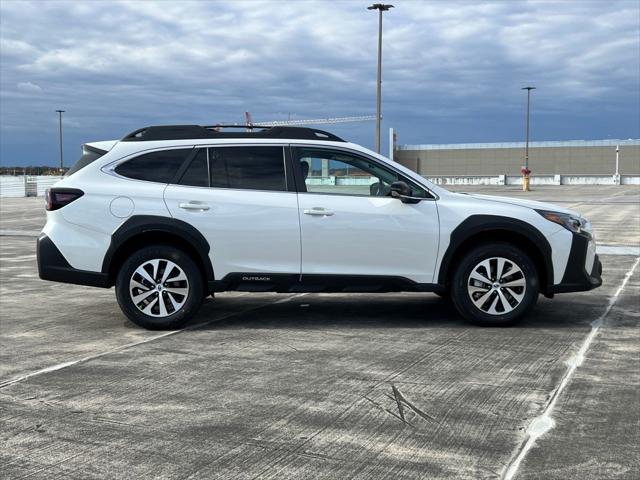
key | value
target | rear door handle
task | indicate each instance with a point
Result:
(319, 211)
(194, 206)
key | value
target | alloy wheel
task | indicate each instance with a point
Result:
(496, 285)
(159, 287)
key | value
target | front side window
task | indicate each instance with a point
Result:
(249, 168)
(159, 166)
(341, 173)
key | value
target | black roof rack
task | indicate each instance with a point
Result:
(188, 132)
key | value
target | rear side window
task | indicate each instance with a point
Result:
(89, 155)
(197, 173)
(250, 168)
(158, 167)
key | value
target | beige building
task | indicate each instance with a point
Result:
(577, 157)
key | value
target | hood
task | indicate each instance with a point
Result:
(525, 203)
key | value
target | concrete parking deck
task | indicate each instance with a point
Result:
(322, 386)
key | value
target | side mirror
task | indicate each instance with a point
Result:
(402, 191)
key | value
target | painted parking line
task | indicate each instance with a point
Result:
(19, 233)
(18, 258)
(544, 422)
(60, 366)
(618, 250)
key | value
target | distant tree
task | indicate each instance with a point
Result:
(31, 170)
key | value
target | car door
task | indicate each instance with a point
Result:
(238, 197)
(351, 226)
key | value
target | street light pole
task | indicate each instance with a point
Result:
(60, 112)
(381, 7)
(616, 178)
(526, 148)
(525, 179)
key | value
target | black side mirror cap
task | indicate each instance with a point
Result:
(402, 191)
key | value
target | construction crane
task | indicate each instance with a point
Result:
(315, 121)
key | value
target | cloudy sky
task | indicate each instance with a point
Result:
(452, 70)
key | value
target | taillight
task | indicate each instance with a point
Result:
(56, 198)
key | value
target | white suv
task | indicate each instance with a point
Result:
(170, 214)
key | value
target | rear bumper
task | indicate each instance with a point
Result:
(576, 278)
(53, 266)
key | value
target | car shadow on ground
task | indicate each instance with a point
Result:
(383, 311)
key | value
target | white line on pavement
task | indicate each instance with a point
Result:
(543, 423)
(618, 250)
(19, 233)
(60, 366)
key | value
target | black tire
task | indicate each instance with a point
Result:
(519, 299)
(188, 304)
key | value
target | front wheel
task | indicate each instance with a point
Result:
(495, 284)
(159, 287)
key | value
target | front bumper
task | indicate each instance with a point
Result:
(53, 266)
(576, 277)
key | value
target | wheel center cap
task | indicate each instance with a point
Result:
(496, 285)
(159, 288)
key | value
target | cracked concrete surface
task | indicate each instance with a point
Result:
(317, 386)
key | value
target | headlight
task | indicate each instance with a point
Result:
(570, 222)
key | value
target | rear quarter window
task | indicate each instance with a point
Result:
(89, 155)
(160, 167)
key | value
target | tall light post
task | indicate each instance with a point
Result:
(381, 7)
(525, 182)
(60, 112)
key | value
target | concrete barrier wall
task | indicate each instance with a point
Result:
(12, 186)
(44, 182)
(333, 180)
(535, 180)
(459, 161)
(25, 186)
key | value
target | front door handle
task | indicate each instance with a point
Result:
(319, 211)
(194, 206)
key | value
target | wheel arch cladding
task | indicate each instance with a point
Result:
(478, 229)
(144, 230)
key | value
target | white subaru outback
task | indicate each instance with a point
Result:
(170, 214)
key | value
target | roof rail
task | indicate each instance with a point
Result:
(188, 132)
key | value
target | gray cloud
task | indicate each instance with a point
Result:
(29, 87)
(452, 70)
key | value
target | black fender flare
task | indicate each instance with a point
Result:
(144, 224)
(478, 224)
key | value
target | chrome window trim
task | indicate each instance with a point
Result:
(224, 189)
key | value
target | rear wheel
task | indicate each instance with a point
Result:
(495, 285)
(159, 287)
